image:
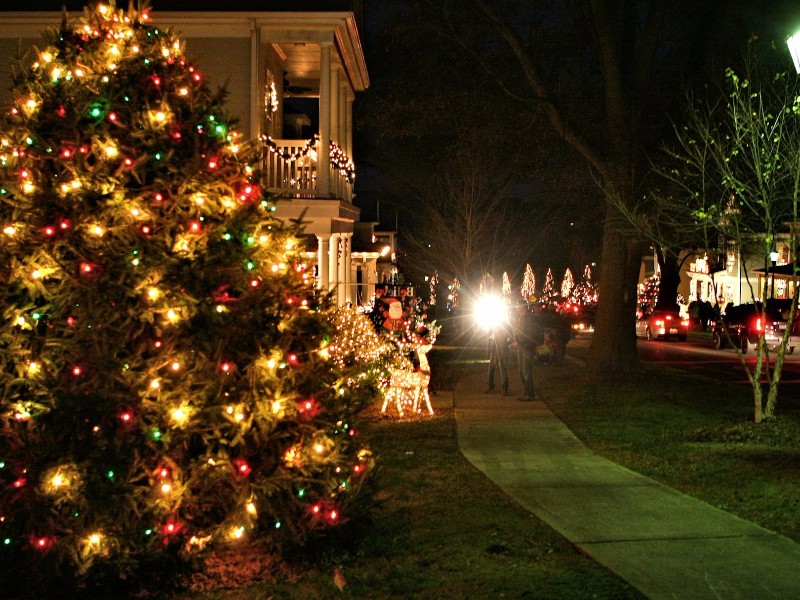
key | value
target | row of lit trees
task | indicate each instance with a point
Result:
(583, 292)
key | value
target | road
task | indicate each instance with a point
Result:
(699, 358)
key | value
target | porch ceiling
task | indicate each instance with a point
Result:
(296, 36)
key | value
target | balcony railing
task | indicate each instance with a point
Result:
(290, 169)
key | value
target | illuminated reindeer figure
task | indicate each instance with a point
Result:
(409, 388)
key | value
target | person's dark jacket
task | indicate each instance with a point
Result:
(529, 331)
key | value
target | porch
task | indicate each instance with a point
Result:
(292, 168)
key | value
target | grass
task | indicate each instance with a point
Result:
(442, 530)
(695, 435)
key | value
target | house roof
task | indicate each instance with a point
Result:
(200, 5)
(777, 270)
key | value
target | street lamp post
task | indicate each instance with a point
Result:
(773, 257)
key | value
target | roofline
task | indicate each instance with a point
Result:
(31, 24)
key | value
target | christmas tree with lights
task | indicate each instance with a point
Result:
(648, 293)
(167, 382)
(549, 292)
(567, 284)
(585, 291)
(528, 289)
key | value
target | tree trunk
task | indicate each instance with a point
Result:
(670, 279)
(613, 348)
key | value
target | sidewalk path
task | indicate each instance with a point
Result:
(663, 542)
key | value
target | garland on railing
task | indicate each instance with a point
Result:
(339, 159)
(270, 144)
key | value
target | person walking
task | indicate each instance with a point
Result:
(563, 334)
(499, 343)
(528, 335)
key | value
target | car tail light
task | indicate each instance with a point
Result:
(684, 322)
(659, 323)
(759, 325)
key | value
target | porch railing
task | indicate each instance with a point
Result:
(290, 170)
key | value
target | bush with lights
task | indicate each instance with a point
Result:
(364, 355)
(166, 379)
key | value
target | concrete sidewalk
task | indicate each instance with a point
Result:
(663, 542)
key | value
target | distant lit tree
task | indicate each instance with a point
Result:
(528, 283)
(567, 284)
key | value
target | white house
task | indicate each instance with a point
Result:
(292, 73)
(743, 276)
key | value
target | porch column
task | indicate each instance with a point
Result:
(335, 106)
(335, 181)
(324, 154)
(323, 277)
(257, 82)
(348, 127)
(370, 278)
(333, 263)
(344, 293)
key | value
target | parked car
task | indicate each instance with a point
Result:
(661, 325)
(580, 318)
(745, 323)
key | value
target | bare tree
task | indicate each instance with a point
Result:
(461, 225)
(733, 181)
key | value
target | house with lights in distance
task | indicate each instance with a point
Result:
(292, 70)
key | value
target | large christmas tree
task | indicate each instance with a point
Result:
(166, 382)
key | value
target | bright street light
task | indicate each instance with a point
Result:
(794, 49)
(490, 311)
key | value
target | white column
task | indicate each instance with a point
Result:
(348, 128)
(373, 277)
(256, 82)
(345, 293)
(323, 266)
(341, 117)
(333, 263)
(335, 106)
(335, 183)
(324, 155)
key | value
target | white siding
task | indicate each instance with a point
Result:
(220, 60)
(226, 61)
(10, 50)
